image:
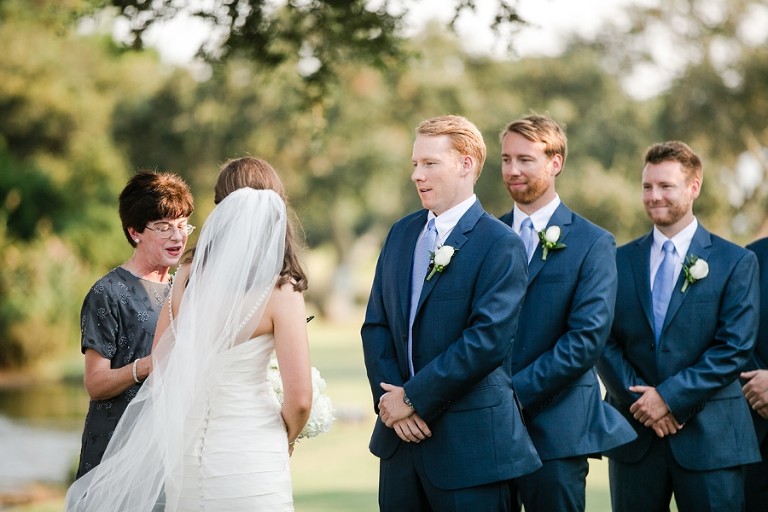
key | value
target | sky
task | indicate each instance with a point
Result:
(550, 22)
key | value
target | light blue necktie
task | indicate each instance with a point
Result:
(662, 288)
(526, 233)
(421, 257)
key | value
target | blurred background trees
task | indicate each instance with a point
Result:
(330, 92)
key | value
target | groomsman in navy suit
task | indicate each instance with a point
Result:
(438, 330)
(566, 317)
(685, 326)
(755, 390)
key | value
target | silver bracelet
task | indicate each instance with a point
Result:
(135, 373)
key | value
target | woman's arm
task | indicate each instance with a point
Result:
(102, 382)
(287, 312)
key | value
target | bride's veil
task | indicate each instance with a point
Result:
(237, 260)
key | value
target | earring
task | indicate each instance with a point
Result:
(136, 240)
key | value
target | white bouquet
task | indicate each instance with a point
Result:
(321, 417)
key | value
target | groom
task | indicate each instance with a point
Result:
(436, 335)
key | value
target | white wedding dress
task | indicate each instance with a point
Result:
(236, 459)
(204, 432)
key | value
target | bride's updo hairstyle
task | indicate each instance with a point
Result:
(256, 173)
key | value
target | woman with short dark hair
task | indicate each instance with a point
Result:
(120, 312)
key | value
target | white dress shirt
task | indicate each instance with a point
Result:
(681, 241)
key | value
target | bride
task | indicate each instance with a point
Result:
(204, 433)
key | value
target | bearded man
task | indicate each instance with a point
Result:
(567, 314)
(685, 326)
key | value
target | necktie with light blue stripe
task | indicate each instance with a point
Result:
(662, 288)
(421, 257)
(526, 233)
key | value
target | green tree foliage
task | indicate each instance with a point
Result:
(59, 173)
(24, 189)
(323, 34)
(716, 55)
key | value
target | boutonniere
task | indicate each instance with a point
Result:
(694, 269)
(440, 259)
(550, 241)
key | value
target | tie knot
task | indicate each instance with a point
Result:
(668, 247)
(431, 225)
(527, 223)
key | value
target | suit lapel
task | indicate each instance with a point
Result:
(700, 246)
(640, 261)
(563, 217)
(456, 239)
(410, 237)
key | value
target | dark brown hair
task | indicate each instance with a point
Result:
(676, 151)
(256, 173)
(149, 196)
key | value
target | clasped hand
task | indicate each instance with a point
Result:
(395, 414)
(651, 410)
(756, 391)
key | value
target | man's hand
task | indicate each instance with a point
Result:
(756, 390)
(392, 408)
(412, 429)
(666, 426)
(649, 408)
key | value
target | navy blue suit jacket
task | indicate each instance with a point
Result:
(462, 336)
(566, 317)
(706, 341)
(760, 356)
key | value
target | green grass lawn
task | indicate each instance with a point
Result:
(335, 472)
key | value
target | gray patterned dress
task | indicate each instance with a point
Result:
(117, 320)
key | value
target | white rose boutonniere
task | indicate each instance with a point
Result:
(694, 269)
(440, 259)
(550, 241)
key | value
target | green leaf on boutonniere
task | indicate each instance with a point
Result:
(693, 270)
(440, 259)
(550, 241)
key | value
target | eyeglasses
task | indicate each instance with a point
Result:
(165, 230)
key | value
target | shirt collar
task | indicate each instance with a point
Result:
(539, 218)
(682, 240)
(446, 221)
